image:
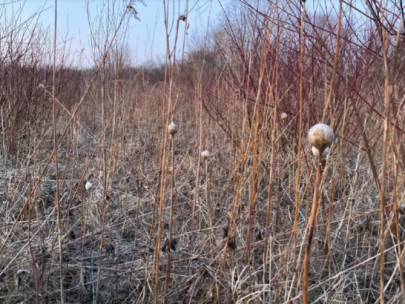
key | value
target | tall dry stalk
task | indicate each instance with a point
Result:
(170, 239)
(165, 164)
(273, 155)
(320, 137)
(104, 178)
(30, 246)
(198, 111)
(207, 197)
(170, 65)
(301, 107)
(394, 216)
(388, 94)
(311, 230)
(335, 64)
(57, 204)
(382, 201)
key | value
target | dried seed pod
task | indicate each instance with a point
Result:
(172, 128)
(284, 116)
(205, 154)
(88, 186)
(321, 137)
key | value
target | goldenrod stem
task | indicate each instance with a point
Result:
(168, 264)
(311, 230)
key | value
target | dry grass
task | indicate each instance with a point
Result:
(236, 224)
(347, 273)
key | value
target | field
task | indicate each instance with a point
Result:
(104, 200)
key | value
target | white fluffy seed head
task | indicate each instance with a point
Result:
(315, 152)
(205, 154)
(172, 128)
(88, 186)
(284, 116)
(321, 137)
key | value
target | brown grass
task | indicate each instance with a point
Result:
(161, 224)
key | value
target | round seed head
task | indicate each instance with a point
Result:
(320, 136)
(88, 186)
(284, 116)
(172, 128)
(315, 152)
(205, 154)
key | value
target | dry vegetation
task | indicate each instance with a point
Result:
(160, 222)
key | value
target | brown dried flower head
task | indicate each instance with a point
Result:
(320, 136)
(172, 128)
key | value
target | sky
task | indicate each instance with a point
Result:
(147, 38)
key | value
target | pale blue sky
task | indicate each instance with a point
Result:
(146, 37)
